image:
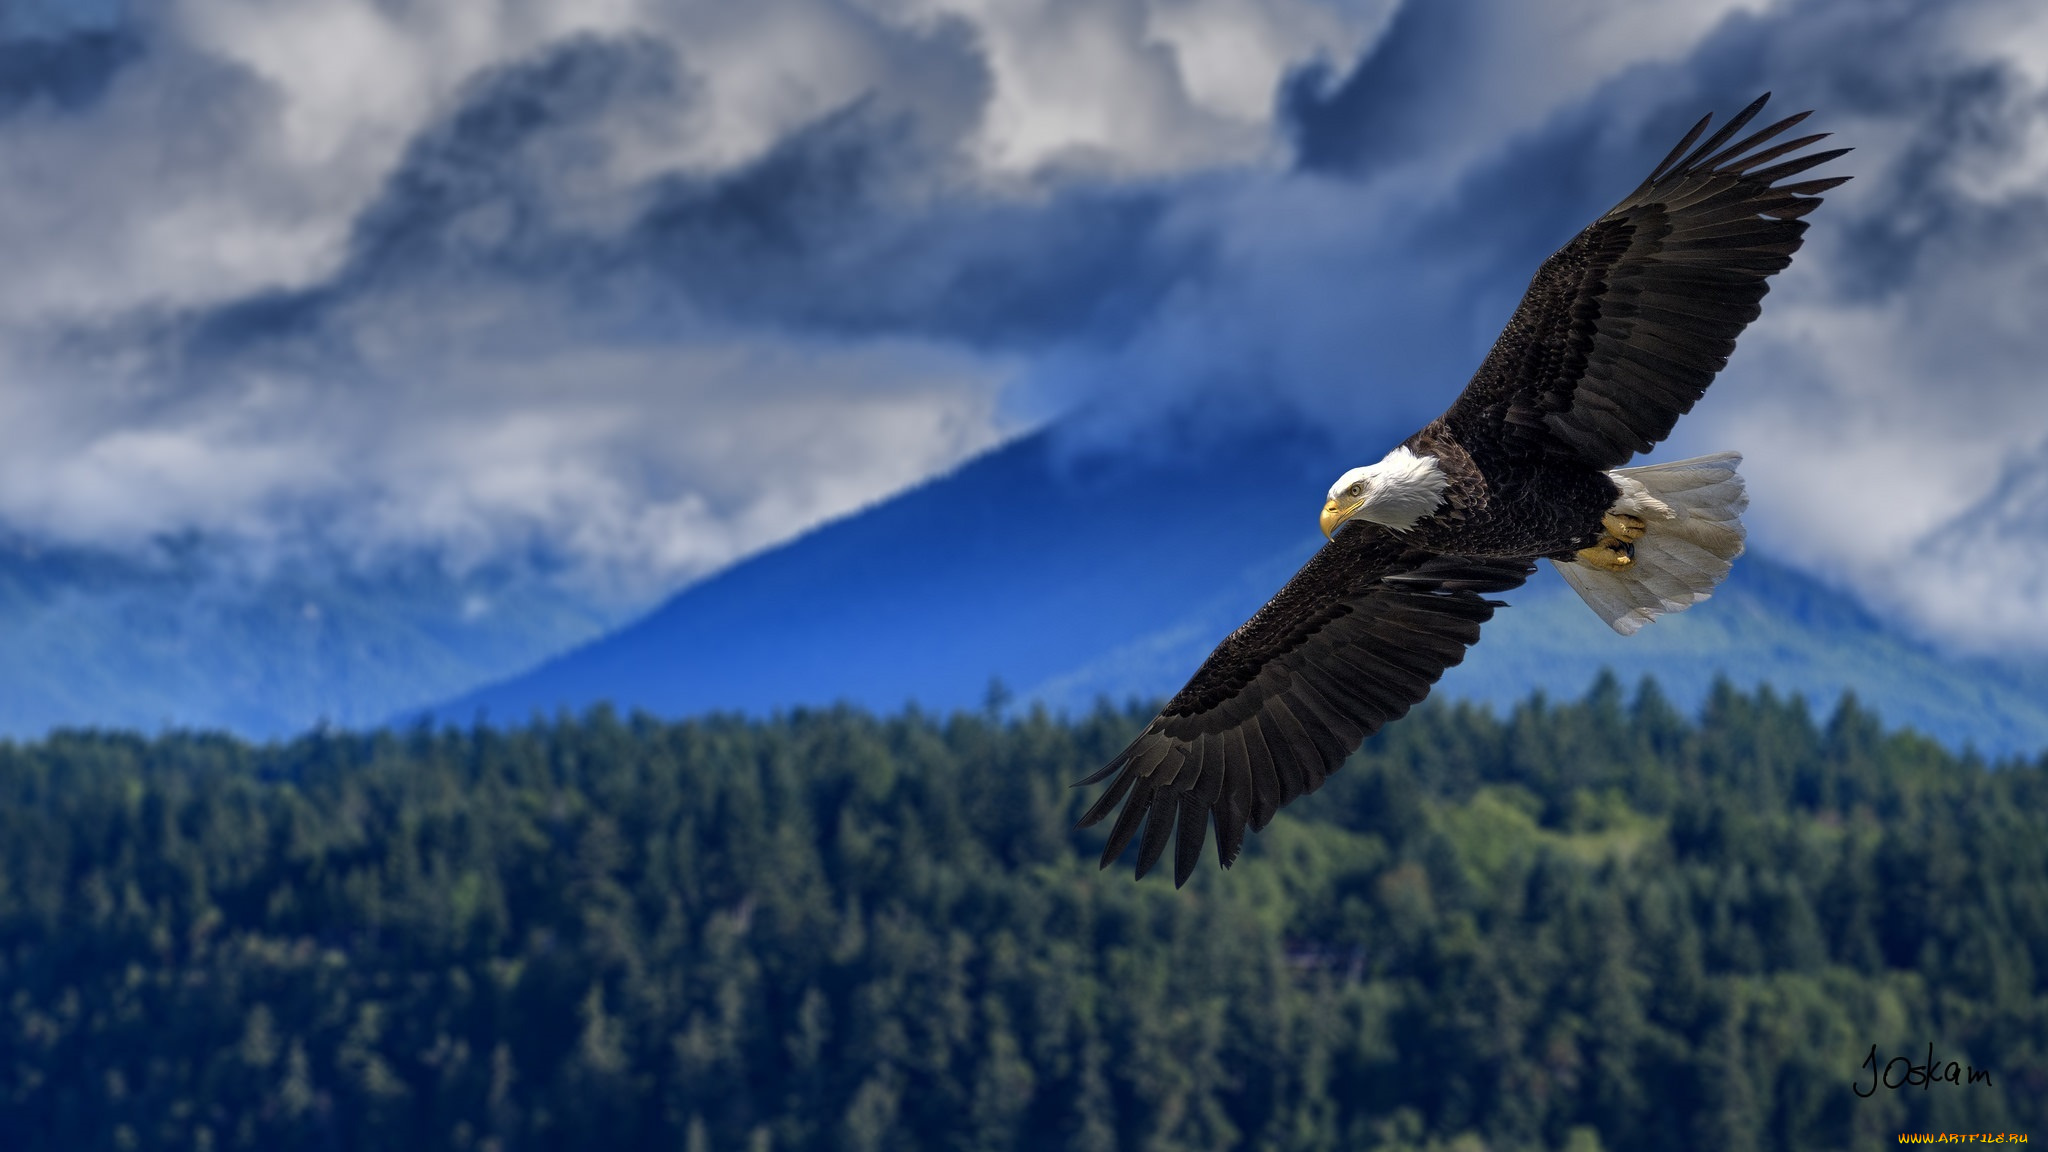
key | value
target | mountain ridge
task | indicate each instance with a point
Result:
(1070, 576)
(189, 635)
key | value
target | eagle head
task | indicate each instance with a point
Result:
(1395, 493)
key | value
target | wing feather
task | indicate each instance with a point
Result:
(1341, 713)
(1287, 762)
(1778, 172)
(1300, 748)
(1814, 187)
(1230, 815)
(1268, 794)
(1159, 817)
(1187, 847)
(1171, 768)
(1106, 803)
(1353, 641)
(1127, 820)
(1623, 329)
(1672, 156)
(1768, 154)
(1727, 130)
(1750, 141)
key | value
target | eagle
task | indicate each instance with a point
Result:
(1619, 334)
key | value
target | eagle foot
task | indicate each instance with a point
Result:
(1623, 527)
(1609, 555)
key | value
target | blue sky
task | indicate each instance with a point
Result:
(651, 286)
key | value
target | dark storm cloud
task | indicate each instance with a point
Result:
(1890, 397)
(491, 185)
(485, 193)
(832, 231)
(660, 278)
(65, 72)
(864, 223)
(1377, 113)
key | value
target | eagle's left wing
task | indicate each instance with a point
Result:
(1623, 328)
(1354, 640)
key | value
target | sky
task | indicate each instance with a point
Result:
(648, 287)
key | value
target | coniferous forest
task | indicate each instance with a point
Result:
(1594, 925)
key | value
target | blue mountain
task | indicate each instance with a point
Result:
(192, 635)
(1072, 575)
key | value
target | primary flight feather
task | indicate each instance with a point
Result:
(1618, 336)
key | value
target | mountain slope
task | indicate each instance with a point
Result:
(189, 638)
(1019, 565)
(1070, 580)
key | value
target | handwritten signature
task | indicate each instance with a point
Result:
(1922, 1076)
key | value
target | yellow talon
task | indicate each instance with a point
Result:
(1623, 527)
(1609, 555)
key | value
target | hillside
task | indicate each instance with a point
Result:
(195, 637)
(1071, 580)
(1582, 927)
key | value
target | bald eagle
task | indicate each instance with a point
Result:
(1620, 332)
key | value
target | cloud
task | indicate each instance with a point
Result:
(1981, 578)
(583, 288)
(1450, 82)
(649, 286)
(1890, 399)
(66, 71)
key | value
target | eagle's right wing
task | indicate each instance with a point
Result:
(1353, 641)
(1622, 329)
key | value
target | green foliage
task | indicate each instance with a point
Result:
(1595, 925)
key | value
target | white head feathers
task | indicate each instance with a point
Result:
(1396, 492)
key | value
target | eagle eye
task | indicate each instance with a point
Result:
(1356, 490)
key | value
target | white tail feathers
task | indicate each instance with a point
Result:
(1693, 533)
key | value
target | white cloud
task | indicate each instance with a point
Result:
(1891, 401)
(638, 465)
(1890, 395)
(495, 394)
(1981, 580)
(1231, 55)
(240, 154)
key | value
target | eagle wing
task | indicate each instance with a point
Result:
(1623, 328)
(1354, 640)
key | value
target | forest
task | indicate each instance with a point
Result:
(1584, 925)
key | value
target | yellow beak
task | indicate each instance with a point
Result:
(1335, 514)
